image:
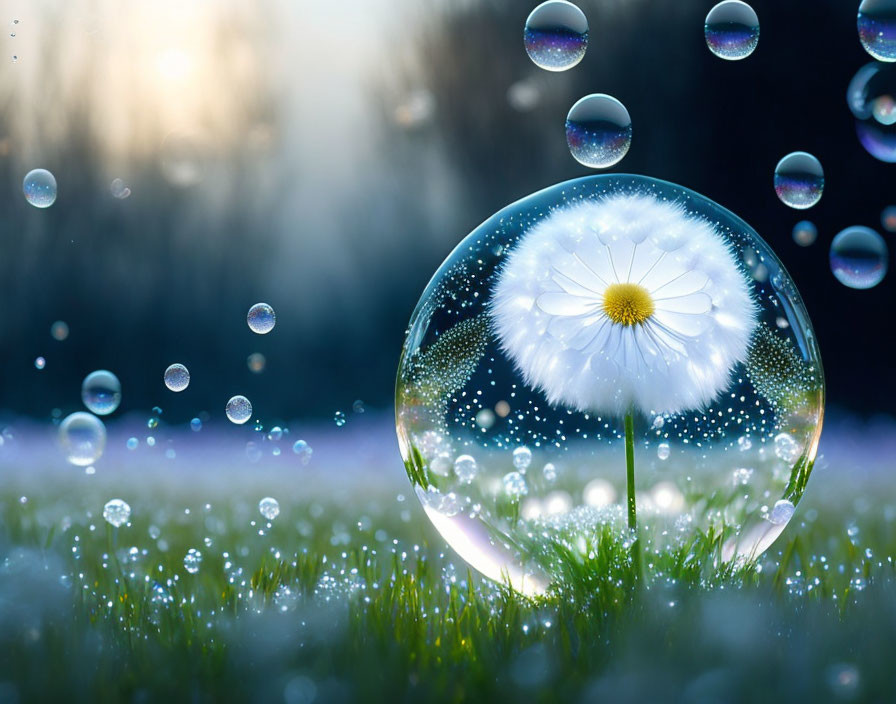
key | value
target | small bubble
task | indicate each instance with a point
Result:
(663, 451)
(269, 508)
(275, 434)
(485, 418)
(805, 233)
(177, 377)
(502, 408)
(83, 438)
(196, 425)
(522, 458)
(119, 189)
(598, 131)
(238, 410)
(799, 180)
(40, 363)
(303, 450)
(859, 257)
(731, 30)
(256, 362)
(744, 443)
(116, 512)
(101, 392)
(132, 443)
(786, 448)
(261, 318)
(192, 560)
(39, 186)
(556, 35)
(59, 330)
(339, 418)
(888, 218)
(465, 468)
(781, 512)
(876, 23)
(550, 472)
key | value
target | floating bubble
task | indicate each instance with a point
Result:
(888, 218)
(871, 97)
(465, 468)
(177, 377)
(256, 362)
(663, 451)
(275, 434)
(859, 257)
(132, 443)
(269, 508)
(261, 318)
(805, 233)
(192, 560)
(556, 35)
(877, 28)
(522, 458)
(101, 392)
(339, 418)
(238, 410)
(59, 330)
(515, 484)
(799, 180)
(83, 438)
(196, 425)
(40, 363)
(303, 450)
(119, 189)
(39, 187)
(549, 471)
(731, 30)
(116, 512)
(598, 131)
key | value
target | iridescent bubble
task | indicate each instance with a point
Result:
(83, 438)
(256, 362)
(39, 187)
(804, 233)
(598, 131)
(177, 377)
(731, 30)
(877, 28)
(799, 180)
(556, 35)
(871, 97)
(888, 218)
(101, 392)
(40, 363)
(238, 410)
(116, 512)
(192, 560)
(261, 318)
(303, 450)
(859, 257)
(59, 330)
(269, 508)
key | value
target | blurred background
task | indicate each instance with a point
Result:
(326, 157)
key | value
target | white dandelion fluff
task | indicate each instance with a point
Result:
(624, 303)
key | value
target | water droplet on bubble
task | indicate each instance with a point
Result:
(59, 330)
(261, 318)
(663, 451)
(556, 35)
(256, 362)
(101, 392)
(799, 180)
(303, 450)
(116, 512)
(731, 30)
(805, 233)
(888, 218)
(40, 363)
(465, 468)
(859, 257)
(39, 187)
(192, 560)
(177, 377)
(598, 131)
(522, 458)
(515, 484)
(238, 410)
(83, 438)
(269, 508)
(781, 512)
(877, 28)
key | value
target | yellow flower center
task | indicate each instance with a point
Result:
(627, 304)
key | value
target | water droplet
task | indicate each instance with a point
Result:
(238, 410)
(39, 186)
(598, 131)
(465, 468)
(731, 30)
(859, 257)
(269, 508)
(339, 419)
(786, 448)
(116, 512)
(781, 512)
(556, 35)
(101, 392)
(799, 180)
(196, 425)
(888, 218)
(261, 318)
(877, 28)
(59, 330)
(804, 233)
(256, 362)
(275, 434)
(40, 363)
(83, 438)
(522, 458)
(177, 377)
(192, 560)
(303, 450)
(550, 472)
(662, 451)
(515, 484)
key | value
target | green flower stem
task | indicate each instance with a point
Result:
(630, 484)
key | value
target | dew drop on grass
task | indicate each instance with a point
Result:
(39, 187)
(238, 410)
(269, 507)
(83, 438)
(177, 377)
(192, 560)
(556, 35)
(261, 318)
(116, 512)
(781, 512)
(101, 392)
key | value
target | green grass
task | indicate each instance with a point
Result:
(352, 596)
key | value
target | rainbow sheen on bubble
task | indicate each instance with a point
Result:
(859, 257)
(877, 28)
(598, 131)
(39, 187)
(871, 97)
(799, 180)
(556, 35)
(731, 30)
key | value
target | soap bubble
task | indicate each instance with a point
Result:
(116, 512)
(859, 257)
(303, 450)
(256, 362)
(556, 35)
(731, 30)
(177, 377)
(805, 233)
(799, 180)
(261, 318)
(871, 97)
(269, 508)
(83, 438)
(119, 189)
(59, 330)
(888, 218)
(39, 187)
(877, 28)
(598, 131)
(101, 392)
(238, 410)
(454, 365)
(192, 560)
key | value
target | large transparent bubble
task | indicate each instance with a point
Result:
(602, 320)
